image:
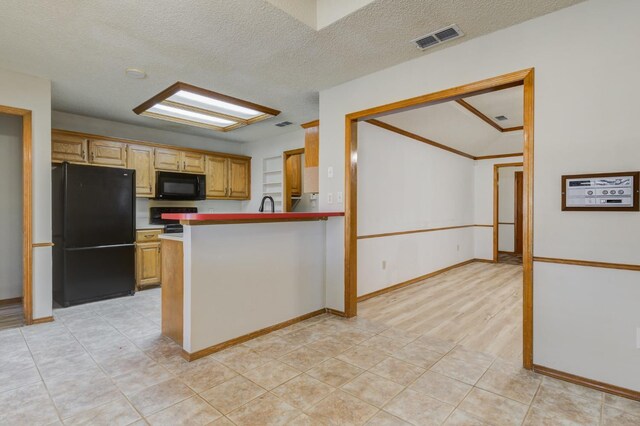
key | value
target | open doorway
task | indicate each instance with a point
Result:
(459, 244)
(507, 187)
(15, 226)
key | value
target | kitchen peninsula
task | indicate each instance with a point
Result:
(231, 277)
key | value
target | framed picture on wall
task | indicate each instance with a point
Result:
(601, 192)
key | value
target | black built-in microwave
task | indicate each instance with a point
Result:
(180, 186)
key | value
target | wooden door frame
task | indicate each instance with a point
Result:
(519, 78)
(496, 203)
(27, 209)
(518, 200)
(286, 193)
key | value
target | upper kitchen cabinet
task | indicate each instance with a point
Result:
(140, 159)
(167, 159)
(192, 162)
(217, 176)
(69, 147)
(228, 177)
(107, 153)
(240, 178)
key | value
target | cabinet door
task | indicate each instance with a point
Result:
(148, 264)
(107, 153)
(140, 158)
(192, 162)
(69, 148)
(239, 178)
(294, 175)
(167, 159)
(217, 176)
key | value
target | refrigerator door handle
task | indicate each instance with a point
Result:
(101, 247)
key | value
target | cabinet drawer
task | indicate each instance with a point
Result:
(148, 235)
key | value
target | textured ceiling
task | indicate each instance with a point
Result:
(248, 49)
(452, 125)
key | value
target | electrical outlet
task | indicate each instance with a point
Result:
(339, 197)
(384, 264)
(330, 198)
(211, 211)
(330, 172)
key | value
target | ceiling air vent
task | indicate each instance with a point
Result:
(500, 118)
(284, 124)
(436, 37)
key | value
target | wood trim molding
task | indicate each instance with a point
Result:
(42, 320)
(35, 245)
(416, 231)
(435, 144)
(11, 301)
(486, 119)
(314, 123)
(590, 383)
(484, 226)
(403, 284)
(523, 77)
(491, 157)
(224, 345)
(418, 138)
(335, 312)
(145, 143)
(27, 208)
(588, 263)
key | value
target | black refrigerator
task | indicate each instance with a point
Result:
(93, 233)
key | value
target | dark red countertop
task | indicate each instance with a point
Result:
(204, 218)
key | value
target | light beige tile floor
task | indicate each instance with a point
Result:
(106, 363)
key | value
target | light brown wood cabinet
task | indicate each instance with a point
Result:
(192, 162)
(239, 178)
(167, 159)
(228, 175)
(148, 258)
(69, 147)
(217, 176)
(107, 153)
(140, 159)
(294, 175)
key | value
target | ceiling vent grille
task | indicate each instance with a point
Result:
(284, 124)
(436, 37)
(501, 118)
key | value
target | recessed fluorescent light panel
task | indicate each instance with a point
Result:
(195, 106)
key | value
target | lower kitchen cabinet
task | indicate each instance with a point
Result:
(148, 258)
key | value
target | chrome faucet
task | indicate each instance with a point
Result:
(273, 204)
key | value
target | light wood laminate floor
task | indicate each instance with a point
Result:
(11, 316)
(478, 305)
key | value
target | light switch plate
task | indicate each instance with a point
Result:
(339, 197)
(330, 198)
(330, 172)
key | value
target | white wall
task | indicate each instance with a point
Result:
(271, 147)
(406, 185)
(11, 206)
(80, 123)
(506, 208)
(578, 73)
(33, 93)
(259, 274)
